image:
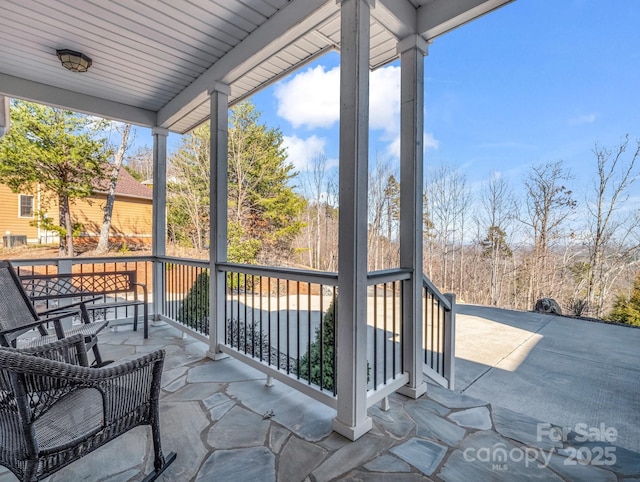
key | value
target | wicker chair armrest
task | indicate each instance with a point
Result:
(129, 387)
(64, 371)
(26, 326)
(68, 350)
(52, 319)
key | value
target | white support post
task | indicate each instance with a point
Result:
(5, 117)
(412, 51)
(159, 217)
(352, 420)
(65, 266)
(450, 342)
(219, 126)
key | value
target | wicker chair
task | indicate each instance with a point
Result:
(17, 316)
(54, 409)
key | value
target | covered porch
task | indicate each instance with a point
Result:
(171, 69)
(227, 424)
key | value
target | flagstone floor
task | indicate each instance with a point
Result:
(225, 424)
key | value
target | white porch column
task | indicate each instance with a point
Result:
(219, 126)
(412, 51)
(352, 420)
(5, 118)
(159, 210)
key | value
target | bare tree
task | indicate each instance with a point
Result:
(549, 203)
(316, 188)
(447, 205)
(499, 211)
(378, 244)
(188, 189)
(140, 164)
(118, 159)
(607, 225)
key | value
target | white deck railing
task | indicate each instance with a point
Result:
(281, 320)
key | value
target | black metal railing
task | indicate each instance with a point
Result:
(385, 326)
(185, 293)
(285, 319)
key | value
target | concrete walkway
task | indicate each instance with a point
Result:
(573, 373)
(226, 425)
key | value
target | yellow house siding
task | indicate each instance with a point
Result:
(131, 217)
(10, 219)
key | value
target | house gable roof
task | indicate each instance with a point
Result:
(127, 186)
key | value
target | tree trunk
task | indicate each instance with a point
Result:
(66, 241)
(103, 242)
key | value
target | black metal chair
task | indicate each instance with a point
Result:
(54, 409)
(17, 316)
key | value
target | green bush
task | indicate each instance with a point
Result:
(312, 357)
(626, 309)
(194, 310)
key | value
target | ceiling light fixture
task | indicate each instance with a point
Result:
(74, 61)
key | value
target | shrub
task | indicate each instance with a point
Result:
(312, 357)
(626, 309)
(194, 310)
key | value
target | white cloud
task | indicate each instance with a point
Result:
(583, 119)
(311, 98)
(300, 152)
(384, 101)
(393, 149)
(430, 142)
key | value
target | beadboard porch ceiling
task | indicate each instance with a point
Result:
(155, 60)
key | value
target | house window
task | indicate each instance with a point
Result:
(26, 206)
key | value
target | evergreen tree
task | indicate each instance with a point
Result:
(323, 345)
(262, 204)
(263, 212)
(57, 149)
(626, 309)
(194, 310)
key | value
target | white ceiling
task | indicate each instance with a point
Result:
(155, 60)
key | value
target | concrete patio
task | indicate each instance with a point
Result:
(226, 425)
(555, 368)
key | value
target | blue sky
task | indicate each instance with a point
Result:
(535, 81)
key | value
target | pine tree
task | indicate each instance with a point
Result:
(56, 149)
(318, 364)
(626, 309)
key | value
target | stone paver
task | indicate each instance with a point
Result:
(478, 418)
(523, 428)
(351, 456)
(226, 425)
(239, 465)
(422, 454)
(299, 458)
(387, 463)
(488, 456)
(451, 399)
(430, 426)
(238, 428)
